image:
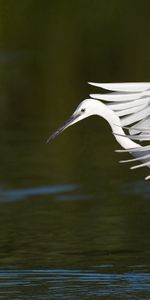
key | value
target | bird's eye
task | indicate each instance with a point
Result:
(83, 110)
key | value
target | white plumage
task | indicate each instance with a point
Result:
(126, 107)
(131, 103)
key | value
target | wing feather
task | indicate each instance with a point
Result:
(130, 110)
(131, 103)
(135, 159)
(123, 87)
(115, 96)
(141, 165)
(126, 105)
(141, 126)
(135, 117)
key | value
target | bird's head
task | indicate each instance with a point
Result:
(85, 109)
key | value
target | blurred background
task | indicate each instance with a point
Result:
(69, 205)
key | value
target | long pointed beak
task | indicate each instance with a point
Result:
(62, 128)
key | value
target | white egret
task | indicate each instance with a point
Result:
(126, 107)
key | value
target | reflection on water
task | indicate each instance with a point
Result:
(74, 197)
(74, 284)
(73, 223)
(73, 249)
(139, 188)
(20, 194)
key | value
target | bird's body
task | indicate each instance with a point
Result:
(125, 108)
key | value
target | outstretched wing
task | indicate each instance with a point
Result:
(131, 103)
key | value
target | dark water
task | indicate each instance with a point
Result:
(74, 224)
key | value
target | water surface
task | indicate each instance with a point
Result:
(74, 224)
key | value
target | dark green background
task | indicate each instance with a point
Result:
(49, 50)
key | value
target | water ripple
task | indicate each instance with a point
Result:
(74, 284)
(21, 194)
(139, 188)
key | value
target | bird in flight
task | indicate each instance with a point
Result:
(126, 107)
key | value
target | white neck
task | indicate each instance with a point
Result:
(115, 124)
